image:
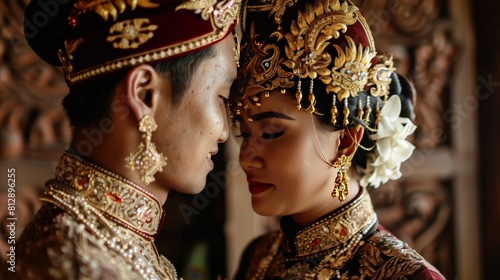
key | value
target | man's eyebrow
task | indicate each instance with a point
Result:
(270, 114)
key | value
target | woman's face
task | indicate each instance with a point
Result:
(282, 160)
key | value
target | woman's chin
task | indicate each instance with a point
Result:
(263, 210)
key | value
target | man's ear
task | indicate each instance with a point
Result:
(142, 90)
(349, 140)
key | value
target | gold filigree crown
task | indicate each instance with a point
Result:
(325, 40)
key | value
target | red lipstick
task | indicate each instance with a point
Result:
(256, 187)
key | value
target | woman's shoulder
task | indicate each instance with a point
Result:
(386, 256)
(257, 249)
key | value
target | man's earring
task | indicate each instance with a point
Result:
(341, 187)
(146, 160)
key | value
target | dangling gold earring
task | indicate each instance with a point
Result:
(146, 160)
(341, 187)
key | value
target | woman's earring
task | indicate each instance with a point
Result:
(146, 160)
(341, 187)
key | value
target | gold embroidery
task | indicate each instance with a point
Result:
(132, 33)
(124, 203)
(224, 14)
(347, 245)
(385, 257)
(93, 224)
(333, 231)
(106, 8)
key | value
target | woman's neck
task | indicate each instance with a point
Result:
(322, 209)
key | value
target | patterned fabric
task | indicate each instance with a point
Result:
(92, 225)
(367, 252)
(126, 33)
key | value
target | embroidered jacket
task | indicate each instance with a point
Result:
(347, 244)
(92, 225)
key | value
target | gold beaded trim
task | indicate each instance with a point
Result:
(119, 199)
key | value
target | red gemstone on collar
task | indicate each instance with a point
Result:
(343, 231)
(315, 242)
(114, 197)
(82, 181)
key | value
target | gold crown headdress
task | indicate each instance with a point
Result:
(302, 46)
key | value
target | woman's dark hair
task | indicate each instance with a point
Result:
(87, 104)
(399, 86)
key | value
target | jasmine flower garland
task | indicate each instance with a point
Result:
(391, 147)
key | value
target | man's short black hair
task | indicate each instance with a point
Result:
(86, 105)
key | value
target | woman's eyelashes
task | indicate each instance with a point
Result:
(243, 135)
(267, 136)
(270, 136)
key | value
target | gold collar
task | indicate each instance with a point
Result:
(117, 198)
(337, 228)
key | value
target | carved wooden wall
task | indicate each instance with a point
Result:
(419, 210)
(33, 127)
(422, 210)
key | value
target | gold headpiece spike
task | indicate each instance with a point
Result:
(283, 91)
(311, 98)
(258, 104)
(298, 94)
(346, 112)
(233, 122)
(360, 109)
(368, 110)
(236, 49)
(377, 114)
(334, 111)
(266, 94)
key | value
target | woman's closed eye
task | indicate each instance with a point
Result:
(267, 136)
(270, 136)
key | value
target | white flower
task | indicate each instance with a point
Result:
(392, 148)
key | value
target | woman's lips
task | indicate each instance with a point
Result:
(257, 187)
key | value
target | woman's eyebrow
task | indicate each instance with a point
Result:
(270, 114)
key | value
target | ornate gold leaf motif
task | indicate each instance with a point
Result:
(132, 33)
(107, 8)
(309, 35)
(350, 74)
(381, 76)
(221, 14)
(279, 8)
(203, 7)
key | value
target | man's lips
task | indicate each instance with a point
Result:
(258, 187)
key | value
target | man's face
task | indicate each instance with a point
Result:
(189, 132)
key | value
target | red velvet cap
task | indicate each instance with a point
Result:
(91, 38)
